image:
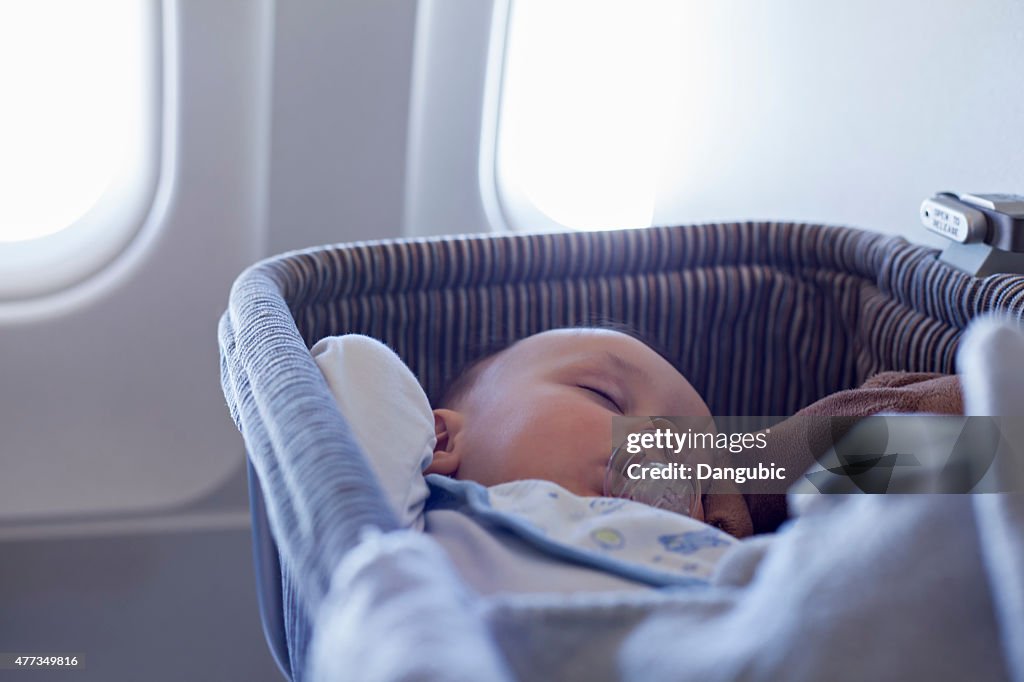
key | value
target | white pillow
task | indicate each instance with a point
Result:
(389, 413)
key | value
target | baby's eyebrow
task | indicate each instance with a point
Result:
(627, 367)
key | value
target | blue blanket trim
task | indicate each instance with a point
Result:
(472, 499)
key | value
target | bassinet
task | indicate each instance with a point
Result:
(763, 318)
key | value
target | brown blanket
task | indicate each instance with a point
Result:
(796, 442)
(893, 392)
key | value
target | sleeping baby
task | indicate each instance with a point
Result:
(508, 472)
(543, 409)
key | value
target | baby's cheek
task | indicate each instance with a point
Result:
(591, 447)
(488, 454)
(524, 448)
(549, 440)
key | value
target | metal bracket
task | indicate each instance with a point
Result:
(986, 230)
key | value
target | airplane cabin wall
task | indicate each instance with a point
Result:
(276, 142)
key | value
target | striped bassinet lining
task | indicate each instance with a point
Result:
(763, 318)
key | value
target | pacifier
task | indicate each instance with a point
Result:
(676, 494)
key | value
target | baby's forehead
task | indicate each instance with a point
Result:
(562, 346)
(580, 355)
(573, 336)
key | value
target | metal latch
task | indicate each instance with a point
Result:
(987, 230)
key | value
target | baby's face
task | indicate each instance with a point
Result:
(544, 407)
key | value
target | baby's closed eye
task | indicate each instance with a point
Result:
(604, 396)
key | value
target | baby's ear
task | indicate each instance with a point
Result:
(446, 426)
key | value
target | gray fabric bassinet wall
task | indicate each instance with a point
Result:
(763, 318)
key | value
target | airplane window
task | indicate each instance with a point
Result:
(627, 114)
(76, 133)
(582, 129)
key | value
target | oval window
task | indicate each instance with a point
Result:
(79, 132)
(585, 115)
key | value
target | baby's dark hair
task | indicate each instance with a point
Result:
(462, 380)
